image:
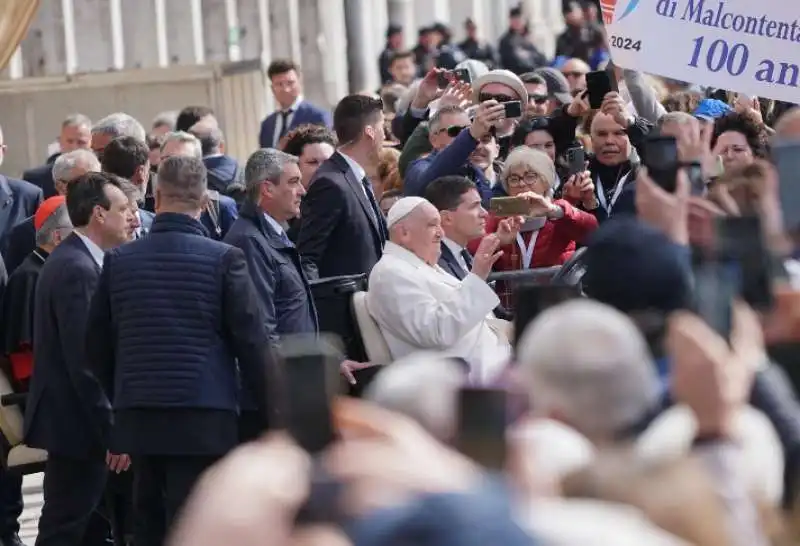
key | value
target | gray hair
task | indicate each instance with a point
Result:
(266, 164)
(436, 119)
(58, 221)
(210, 137)
(424, 387)
(168, 119)
(76, 120)
(183, 179)
(533, 159)
(601, 386)
(120, 124)
(66, 163)
(677, 117)
(184, 138)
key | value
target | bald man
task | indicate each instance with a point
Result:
(420, 307)
(575, 71)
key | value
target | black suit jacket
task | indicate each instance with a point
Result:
(18, 200)
(42, 177)
(18, 243)
(338, 232)
(66, 412)
(449, 263)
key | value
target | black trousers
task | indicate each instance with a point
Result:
(74, 512)
(10, 502)
(161, 485)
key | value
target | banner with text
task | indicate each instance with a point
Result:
(748, 46)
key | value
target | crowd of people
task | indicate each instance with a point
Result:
(152, 285)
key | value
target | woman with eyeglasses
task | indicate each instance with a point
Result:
(740, 139)
(549, 233)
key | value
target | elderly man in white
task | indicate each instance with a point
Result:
(418, 306)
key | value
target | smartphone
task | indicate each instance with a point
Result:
(311, 368)
(462, 75)
(716, 284)
(661, 160)
(509, 206)
(481, 432)
(740, 241)
(599, 84)
(513, 109)
(444, 78)
(576, 160)
(531, 300)
(786, 154)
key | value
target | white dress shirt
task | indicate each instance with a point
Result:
(96, 252)
(357, 169)
(456, 249)
(419, 307)
(275, 225)
(276, 136)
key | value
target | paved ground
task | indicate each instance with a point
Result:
(32, 494)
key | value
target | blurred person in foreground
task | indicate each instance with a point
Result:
(420, 307)
(175, 396)
(401, 486)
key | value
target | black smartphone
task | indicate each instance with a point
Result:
(513, 109)
(576, 160)
(530, 300)
(599, 84)
(482, 420)
(716, 284)
(311, 367)
(462, 75)
(786, 155)
(444, 78)
(661, 160)
(740, 241)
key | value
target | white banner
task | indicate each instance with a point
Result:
(748, 46)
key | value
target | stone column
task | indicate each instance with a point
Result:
(185, 39)
(140, 30)
(215, 30)
(364, 43)
(427, 12)
(323, 51)
(44, 47)
(401, 12)
(474, 9)
(93, 35)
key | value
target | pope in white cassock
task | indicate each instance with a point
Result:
(418, 306)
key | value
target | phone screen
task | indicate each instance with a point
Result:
(531, 300)
(787, 161)
(598, 84)
(661, 159)
(513, 109)
(462, 75)
(482, 420)
(311, 367)
(576, 160)
(509, 206)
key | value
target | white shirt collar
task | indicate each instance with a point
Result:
(295, 105)
(454, 247)
(357, 169)
(96, 252)
(274, 224)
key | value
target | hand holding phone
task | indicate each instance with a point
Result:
(598, 85)
(513, 109)
(576, 160)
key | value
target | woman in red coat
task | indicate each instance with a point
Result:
(549, 234)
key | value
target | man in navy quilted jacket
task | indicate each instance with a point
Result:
(172, 315)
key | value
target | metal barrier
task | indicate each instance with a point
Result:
(537, 275)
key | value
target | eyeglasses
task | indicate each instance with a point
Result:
(538, 99)
(483, 97)
(528, 179)
(454, 130)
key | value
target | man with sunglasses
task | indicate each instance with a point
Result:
(536, 86)
(460, 147)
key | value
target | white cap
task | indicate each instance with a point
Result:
(403, 208)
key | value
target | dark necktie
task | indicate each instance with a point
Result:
(467, 259)
(376, 210)
(285, 239)
(284, 125)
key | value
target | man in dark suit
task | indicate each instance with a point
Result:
(463, 220)
(172, 314)
(21, 240)
(342, 229)
(128, 158)
(76, 134)
(292, 109)
(18, 199)
(223, 170)
(67, 413)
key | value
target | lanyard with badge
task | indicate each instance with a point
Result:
(527, 250)
(601, 194)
